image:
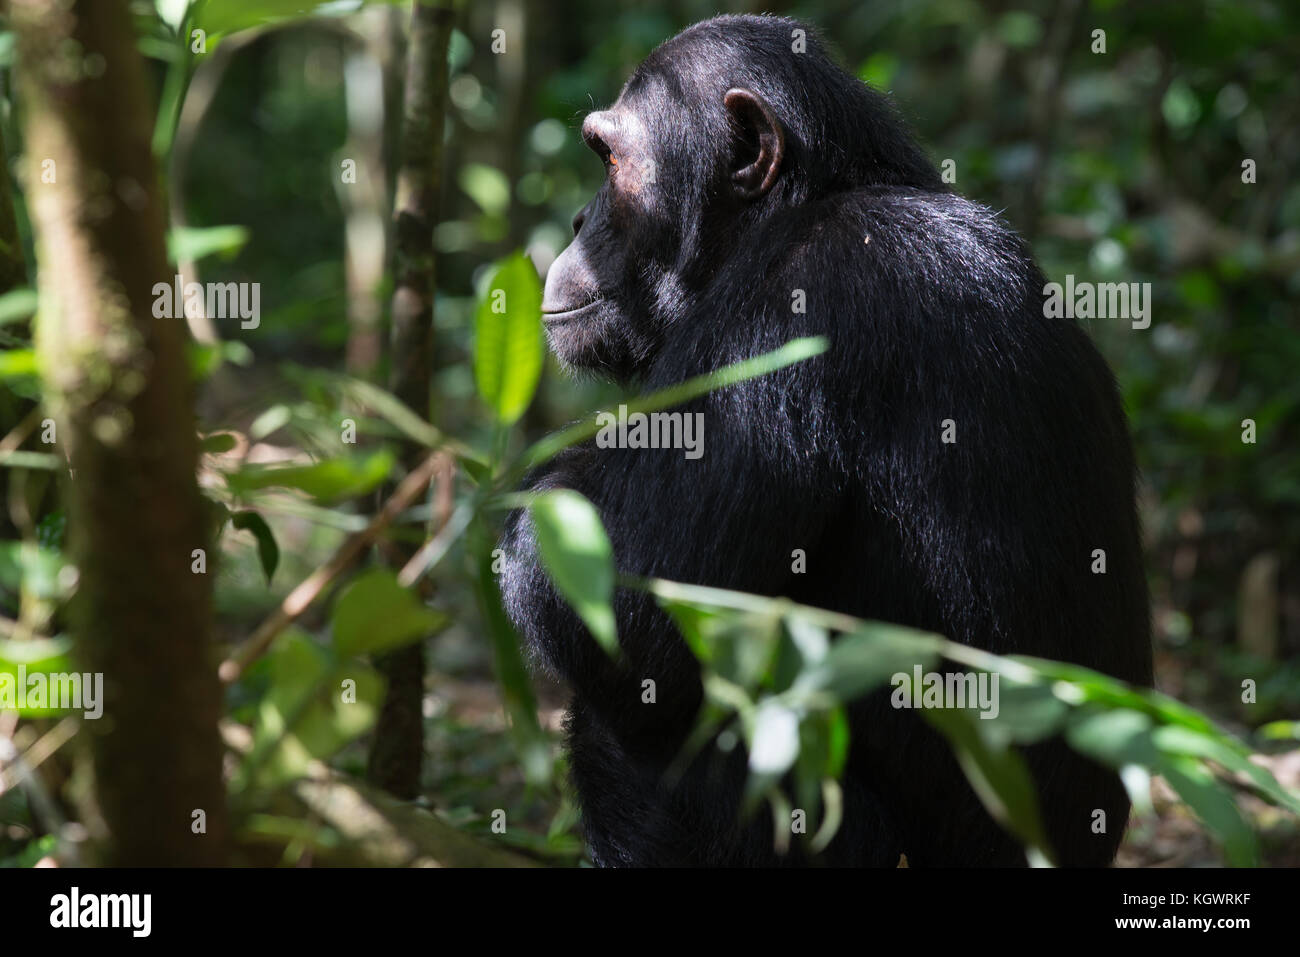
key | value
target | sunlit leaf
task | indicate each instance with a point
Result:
(577, 554)
(375, 614)
(314, 706)
(508, 340)
(328, 481)
(191, 243)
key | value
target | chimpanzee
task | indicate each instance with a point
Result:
(952, 462)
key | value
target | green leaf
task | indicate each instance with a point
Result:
(375, 614)
(217, 442)
(995, 771)
(1223, 750)
(18, 364)
(487, 186)
(220, 17)
(744, 647)
(267, 550)
(1213, 804)
(305, 716)
(1028, 712)
(869, 657)
(1114, 737)
(477, 472)
(41, 655)
(701, 627)
(17, 305)
(796, 350)
(328, 481)
(192, 243)
(508, 339)
(579, 559)
(1279, 731)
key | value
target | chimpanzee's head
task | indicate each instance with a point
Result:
(720, 128)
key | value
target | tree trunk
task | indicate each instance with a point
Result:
(397, 752)
(118, 383)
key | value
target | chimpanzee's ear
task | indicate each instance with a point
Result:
(759, 143)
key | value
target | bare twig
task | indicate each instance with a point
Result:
(311, 587)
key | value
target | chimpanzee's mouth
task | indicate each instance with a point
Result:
(566, 315)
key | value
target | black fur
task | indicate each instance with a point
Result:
(934, 311)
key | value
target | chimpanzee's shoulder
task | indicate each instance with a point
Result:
(903, 238)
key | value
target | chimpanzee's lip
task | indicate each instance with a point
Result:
(564, 315)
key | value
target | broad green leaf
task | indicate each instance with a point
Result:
(508, 339)
(579, 559)
(1219, 748)
(1116, 738)
(1028, 712)
(329, 481)
(267, 550)
(315, 705)
(869, 657)
(995, 771)
(1091, 686)
(744, 647)
(375, 614)
(1212, 802)
(700, 626)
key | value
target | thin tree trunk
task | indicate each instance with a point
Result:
(118, 384)
(397, 752)
(368, 59)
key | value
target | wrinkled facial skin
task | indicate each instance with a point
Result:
(597, 311)
(686, 166)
